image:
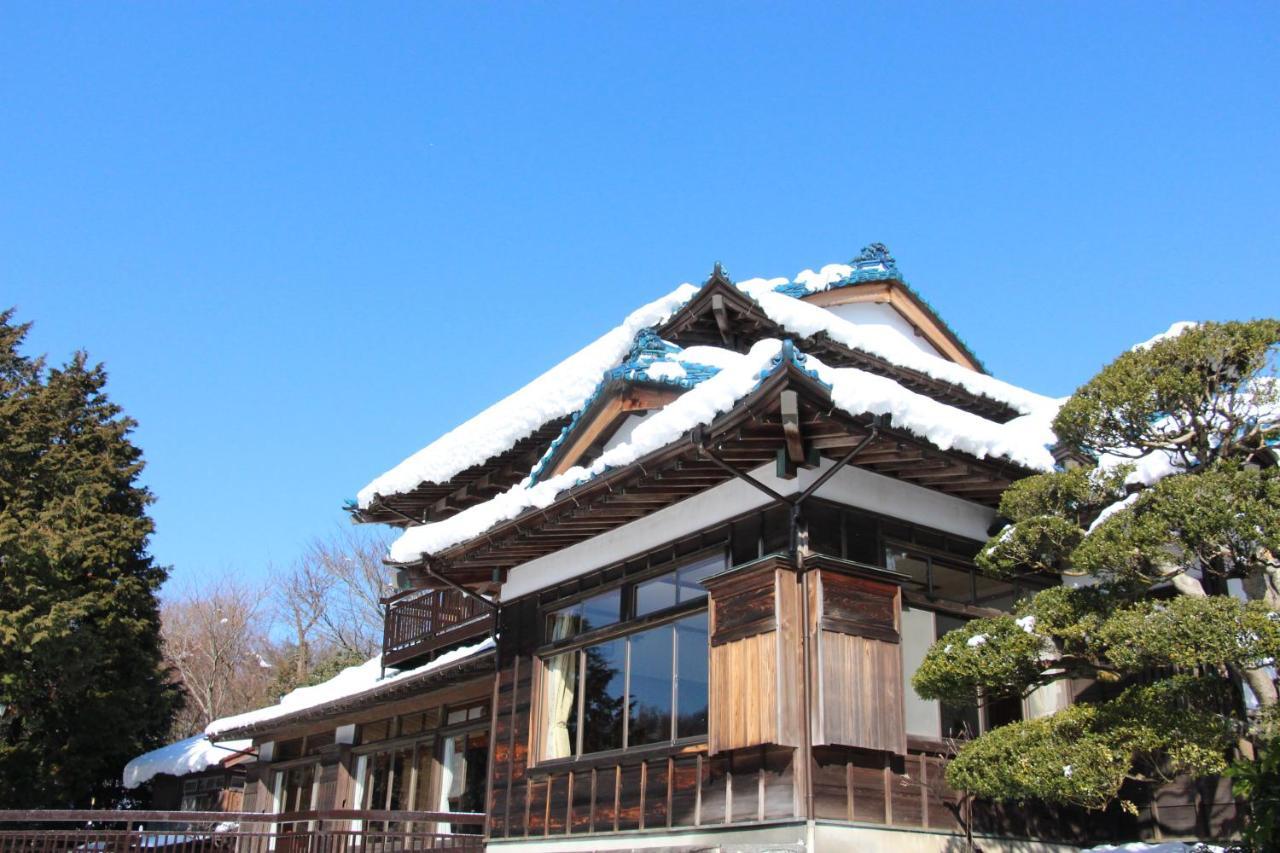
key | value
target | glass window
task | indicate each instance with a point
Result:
(295, 787)
(691, 680)
(677, 587)
(951, 583)
(375, 731)
(587, 615)
(463, 762)
(629, 686)
(604, 695)
(913, 565)
(649, 701)
(994, 592)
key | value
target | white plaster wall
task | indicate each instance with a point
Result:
(851, 486)
(881, 314)
(858, 487)
(918, 632)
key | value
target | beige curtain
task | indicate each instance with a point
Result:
(559, 692)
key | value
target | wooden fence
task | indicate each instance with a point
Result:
(346, 831)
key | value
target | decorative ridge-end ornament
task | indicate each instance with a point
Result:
(874, 255)
(718, 274)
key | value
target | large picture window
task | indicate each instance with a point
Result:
(638, 676)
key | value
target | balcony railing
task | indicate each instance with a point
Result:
(345, 831)
(420, 623)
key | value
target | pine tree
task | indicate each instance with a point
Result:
(1170, 516)
(82, 685)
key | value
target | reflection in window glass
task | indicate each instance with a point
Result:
(650, 695)
(603, 695)
(691, 667)
(993, 592)
(951, 583)
(677, 587)
(912, 565)
(595, 612)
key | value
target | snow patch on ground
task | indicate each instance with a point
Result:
(351, 681)
(177, 759)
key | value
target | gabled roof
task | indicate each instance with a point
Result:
(973, 457)
(494, 451)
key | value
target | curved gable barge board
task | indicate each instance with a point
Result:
(673, 473)
(692, 325)
(913, 309)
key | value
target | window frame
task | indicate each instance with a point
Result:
(626, 626)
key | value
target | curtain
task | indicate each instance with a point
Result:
(559, 691)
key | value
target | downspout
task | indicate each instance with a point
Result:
(797, 556)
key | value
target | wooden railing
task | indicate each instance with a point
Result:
(345, 831)
(422, 622)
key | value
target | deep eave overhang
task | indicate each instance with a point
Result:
(747, 436)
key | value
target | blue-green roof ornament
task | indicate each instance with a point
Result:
(874, 255)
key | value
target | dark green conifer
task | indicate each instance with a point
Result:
(1180, 617)
(82, 683)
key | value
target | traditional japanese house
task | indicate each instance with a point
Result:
(672, 592)
(718, 541)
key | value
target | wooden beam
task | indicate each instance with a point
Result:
(789, 405)
(722, 319)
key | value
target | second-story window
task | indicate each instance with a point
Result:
(638, 675)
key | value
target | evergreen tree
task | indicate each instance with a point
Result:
(1170, 515)
(82, 685)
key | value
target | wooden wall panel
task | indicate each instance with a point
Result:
(859, 688)
(686, 778)
(866, 774)
(743, 687)
(580, 806)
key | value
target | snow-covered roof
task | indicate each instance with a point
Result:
(1024, 440)
(178, 759)
(348, 684)
(565, 389)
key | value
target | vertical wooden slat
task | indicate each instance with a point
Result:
(697, 796)
(644, 783)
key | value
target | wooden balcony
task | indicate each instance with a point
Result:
(421, 623)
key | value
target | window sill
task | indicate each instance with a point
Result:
(687, 746)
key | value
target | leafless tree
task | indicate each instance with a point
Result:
(214, 639)
(329, 599)
(351, 558)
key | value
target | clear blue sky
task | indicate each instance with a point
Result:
(308, 238)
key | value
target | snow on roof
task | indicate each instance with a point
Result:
(567, 387)
(805, 319)
(1024, 440)
(178, 759)
(555, 394)
(352, 681)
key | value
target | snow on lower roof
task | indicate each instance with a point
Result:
(352, 681)
(178, 759)
(1024, 440)
(562, 390)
